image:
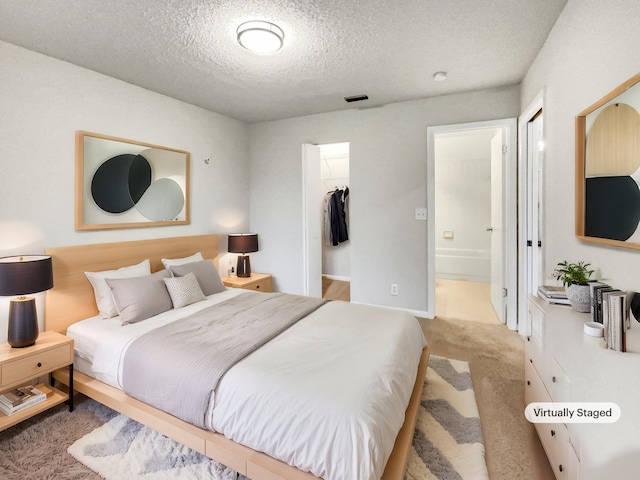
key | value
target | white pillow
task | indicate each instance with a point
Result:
(102, 292)
(170, 262)
(184, 290)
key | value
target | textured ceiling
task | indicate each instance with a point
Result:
(386, 49)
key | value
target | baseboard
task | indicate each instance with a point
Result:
(337, 277)
(415, 313)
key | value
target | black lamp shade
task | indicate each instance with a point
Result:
(22, 276)
(243, 242)
(25, 275)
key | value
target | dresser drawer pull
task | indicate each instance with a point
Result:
(531, 360)
(528, 382)
(553, 379)
(560, 468)
(553, 433)
(39, 364)
(257, 286)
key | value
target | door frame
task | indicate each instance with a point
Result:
(524, 262)
(510, 255)
(311, 220)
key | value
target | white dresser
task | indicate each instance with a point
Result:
(562, 364)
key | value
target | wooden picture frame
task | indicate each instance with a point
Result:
(607, 168)
(122, 183)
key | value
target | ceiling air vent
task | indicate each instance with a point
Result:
(356, 98)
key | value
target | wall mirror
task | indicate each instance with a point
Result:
(608, 168)
(123, 183)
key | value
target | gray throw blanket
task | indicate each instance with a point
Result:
(176, 368)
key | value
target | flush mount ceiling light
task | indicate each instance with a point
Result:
(260, 37)
(440, 76)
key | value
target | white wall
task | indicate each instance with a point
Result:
(592, 49)
(463, 205)
(43, 101)
(388, 168)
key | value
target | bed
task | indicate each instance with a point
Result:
(71, 303)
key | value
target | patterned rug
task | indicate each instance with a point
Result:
(447, 443)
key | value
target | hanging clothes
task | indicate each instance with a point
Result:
(327, 218)
(336, 210)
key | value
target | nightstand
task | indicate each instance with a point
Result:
(18, 366)
(260, 282)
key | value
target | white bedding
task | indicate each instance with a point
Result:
(326, 396)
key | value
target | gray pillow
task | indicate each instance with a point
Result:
(184, 290)
(138, 298)
(206, 273)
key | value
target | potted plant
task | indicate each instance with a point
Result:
(575, 277)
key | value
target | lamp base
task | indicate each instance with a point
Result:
(23, 322)
(243, 268)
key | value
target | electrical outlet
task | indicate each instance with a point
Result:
(421, 213)
(394, 289)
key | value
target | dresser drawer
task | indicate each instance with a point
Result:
(40, 363)
(534, 388)
(557, 382)
(536, 320)
(533, 353)
(555, 440)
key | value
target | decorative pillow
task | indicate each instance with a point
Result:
(206, 273)
(101, 290)
(170, 262)
(139, 298)
(184, 290)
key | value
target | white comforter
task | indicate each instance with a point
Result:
(326, 396)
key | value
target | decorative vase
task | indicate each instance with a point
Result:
(579, 297)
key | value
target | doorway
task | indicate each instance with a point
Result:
(472, 211)
(327, 258)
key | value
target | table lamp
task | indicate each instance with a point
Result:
(22, 276)
(243, 243)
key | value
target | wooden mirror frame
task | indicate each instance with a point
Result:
(171, 163)
(580, 166)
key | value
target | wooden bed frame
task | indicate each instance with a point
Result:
(72, 300)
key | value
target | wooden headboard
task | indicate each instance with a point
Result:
(71, 299)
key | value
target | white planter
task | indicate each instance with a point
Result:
(579, 297)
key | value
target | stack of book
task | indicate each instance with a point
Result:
(20, 398)
(610, 307)
(553, 294)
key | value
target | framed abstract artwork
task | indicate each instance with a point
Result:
(122, 183)
(607, 160)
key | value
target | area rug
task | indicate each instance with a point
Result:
(447, 443)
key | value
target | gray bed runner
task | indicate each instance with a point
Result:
(177, 367)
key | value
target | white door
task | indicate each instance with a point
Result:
(312, 221)
(497, 229)
(535, 152)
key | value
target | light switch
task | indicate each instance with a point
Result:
(447, 234)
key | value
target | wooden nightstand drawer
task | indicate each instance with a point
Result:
(263, 285)
(259, 282)
(39, 363)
